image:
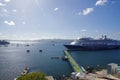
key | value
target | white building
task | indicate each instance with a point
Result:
(112, 68)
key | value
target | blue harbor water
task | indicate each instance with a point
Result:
(14, 58)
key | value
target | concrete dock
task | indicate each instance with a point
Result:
(73, 63)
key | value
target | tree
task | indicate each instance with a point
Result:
(33, 76)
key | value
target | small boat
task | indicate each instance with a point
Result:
(53, 44)
(64, 58)
(54, 57)
(27, 45)
(28, 50)
(40, 50)
(25, 71)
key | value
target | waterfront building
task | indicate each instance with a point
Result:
(112, 68)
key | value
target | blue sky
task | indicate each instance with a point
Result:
(67, 19)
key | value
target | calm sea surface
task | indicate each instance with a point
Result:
(14, 58)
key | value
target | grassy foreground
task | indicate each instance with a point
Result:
(33, 76)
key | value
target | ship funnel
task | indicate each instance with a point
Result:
(104, 37)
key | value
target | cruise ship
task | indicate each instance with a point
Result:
(103, 43)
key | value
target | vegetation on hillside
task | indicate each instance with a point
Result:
(33, 76)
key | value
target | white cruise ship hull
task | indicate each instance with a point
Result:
(77, 47)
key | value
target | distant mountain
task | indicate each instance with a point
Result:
(4, 42)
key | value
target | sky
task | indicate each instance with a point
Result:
(63, 19)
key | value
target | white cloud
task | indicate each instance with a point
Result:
(96, 31)
(14, 35)
(0, 33)
(3, 37)
(23, 22)
(56, 9)
(2, 4)
(116, 1)
(14, 10)
(79, 13)
(101, 2)
(4, 10)
(7, 1)
(87, 11)
(10, 23)
(83, 30)
(37, 3)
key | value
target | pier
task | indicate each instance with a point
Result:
(73, 63)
